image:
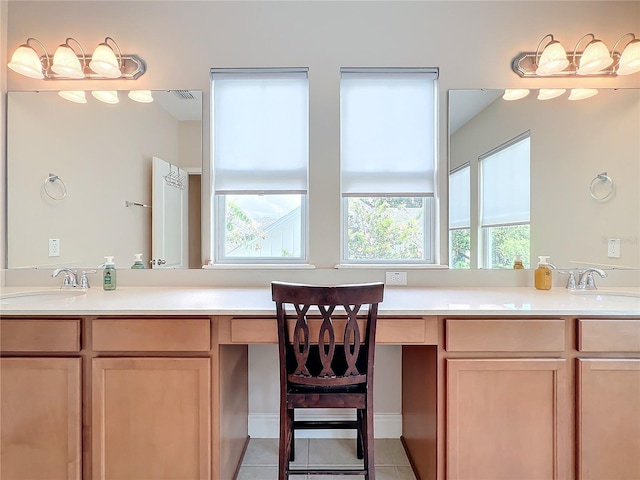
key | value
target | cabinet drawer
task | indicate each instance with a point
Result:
(505, 335)
(151, 335)
(40, 335)
(604, 335)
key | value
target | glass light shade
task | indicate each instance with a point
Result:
(515, 93)
(104, 62)
(630, 59)
(549, 93)
(582, 93)
(553, 59)
(67, 63)
(26, 61)
(106, 96)
(76, 96)
(142, 96)
(595, 57)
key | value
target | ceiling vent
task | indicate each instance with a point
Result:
(184, 94)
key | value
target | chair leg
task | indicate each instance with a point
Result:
(292, 453)
(359, 439)
(284, 444)
(369, 460)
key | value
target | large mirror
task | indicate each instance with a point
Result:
(87, 180)
(583, 179)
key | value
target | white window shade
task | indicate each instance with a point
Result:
(260, 131)
(460, 198)
(505, 184)
(387, 132)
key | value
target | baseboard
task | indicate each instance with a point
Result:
(267, 425)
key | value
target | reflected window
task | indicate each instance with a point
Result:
(504, 204)
(387, 153)
(460, 217)
(260, 137)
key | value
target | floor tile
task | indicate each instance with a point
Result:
(383, 452)
(405, 473)
(338, 452)
(260, 473)
(382, 473)
(264, 452)
(397, 452)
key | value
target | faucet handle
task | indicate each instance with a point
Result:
(84, 280)
(571, 281)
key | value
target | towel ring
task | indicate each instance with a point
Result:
(53, 179)
(602, 178)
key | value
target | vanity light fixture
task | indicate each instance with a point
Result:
(68, 64)
(595, 61)
(582, 93)
(106, 96)
(142, 96)
(515, 93)
(75, 96)
(549, 93)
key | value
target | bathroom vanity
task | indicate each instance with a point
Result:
(152, 382)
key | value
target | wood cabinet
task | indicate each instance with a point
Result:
(40, 411)
(151, 418)
(507, 419)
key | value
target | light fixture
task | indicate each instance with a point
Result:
(142, 96)
(595, 61)
(68, 64)
(630, 59)
(553, 58)
(595, 57)
(549, 93)
(76, 96)
(582, 93)
(515, 93)
(104, 60)
(25, 60)
(106, 96)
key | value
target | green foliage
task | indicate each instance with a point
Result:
(241, 229)
(506, 243)
(385, 229)
(460, 241)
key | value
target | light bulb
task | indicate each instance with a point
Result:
(595, 57)
(106, 96)
(582, 93)
(549, 93)
(66, 63)
(26, 61)
(142, 96)
(553, 59)
(76, 96)
(515, 93)
(104, 62)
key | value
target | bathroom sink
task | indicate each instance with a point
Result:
(23, 298)
(619, 295)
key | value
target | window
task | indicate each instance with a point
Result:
(460, 217)
(504, 203)
(388, 151)
(260, 132)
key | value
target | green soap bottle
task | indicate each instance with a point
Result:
(138, 261)
(109, 281)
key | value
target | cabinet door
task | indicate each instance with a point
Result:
(507, 419)
(609, 419)
(40, 402)
(151, 418)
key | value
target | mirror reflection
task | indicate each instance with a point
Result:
(104, 179)
(554, 177)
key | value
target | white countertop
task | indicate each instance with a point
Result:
(501, 301)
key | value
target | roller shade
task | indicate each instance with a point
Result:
(460, 198)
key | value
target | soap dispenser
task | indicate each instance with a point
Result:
(138, 261)
(543, 274)
(517, 263)
(109, 274)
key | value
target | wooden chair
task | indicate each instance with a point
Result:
(326, 361)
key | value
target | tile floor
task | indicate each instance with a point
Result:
(261, 459)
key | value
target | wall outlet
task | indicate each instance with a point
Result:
(396, 278)
(54, 247)
(613, 248)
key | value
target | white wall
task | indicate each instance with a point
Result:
(3, 135)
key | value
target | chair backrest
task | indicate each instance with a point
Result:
(320, 342)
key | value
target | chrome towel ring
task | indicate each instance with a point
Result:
(53, 179)
(607, 187)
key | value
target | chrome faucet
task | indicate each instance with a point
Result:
(587, 281)
(70, 279)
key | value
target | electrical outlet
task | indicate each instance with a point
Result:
(54, 247)
(613, 248)
(396, 278)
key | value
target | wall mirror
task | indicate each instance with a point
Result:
(99, 178)
(571, 143)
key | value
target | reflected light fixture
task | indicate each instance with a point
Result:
(76, 96)
(104, 60)
(595, 61)
(553, 58)
(25, 60)
(66, 62)
(142, 96)
(549, 93)
(630, 59)
(582, 93)
(106, 96)
(515, 93)
(595, 57)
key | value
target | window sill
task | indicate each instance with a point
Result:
(259, 266)
(392, 266)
